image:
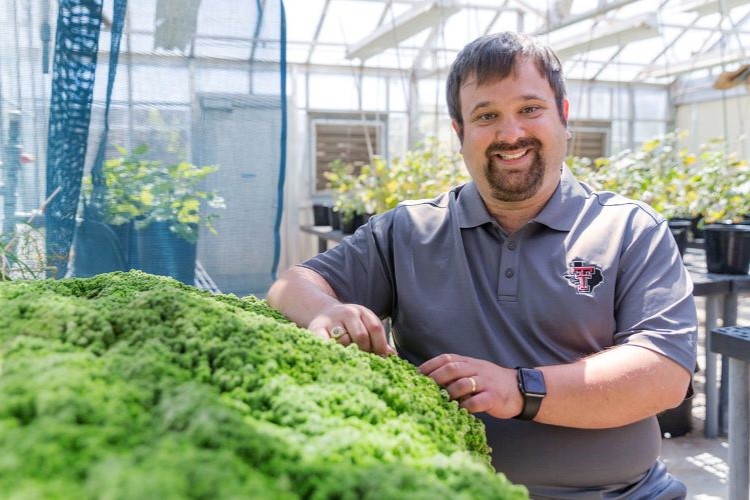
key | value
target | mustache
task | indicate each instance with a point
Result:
(522, 143)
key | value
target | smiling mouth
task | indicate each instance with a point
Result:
(508, 156)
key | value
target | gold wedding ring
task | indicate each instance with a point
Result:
(337, 332)
(473, 385)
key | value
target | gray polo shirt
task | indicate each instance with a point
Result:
(593, 270)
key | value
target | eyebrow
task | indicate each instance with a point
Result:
(525, 97)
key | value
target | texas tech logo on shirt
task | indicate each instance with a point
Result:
(583, 276)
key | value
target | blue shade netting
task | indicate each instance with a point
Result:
(157, 127)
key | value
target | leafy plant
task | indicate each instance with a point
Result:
(145, 191)
(421, 173)
(713, 183)
(132, 386)
(723, 183)
(660, 173)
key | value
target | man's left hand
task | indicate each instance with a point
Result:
(478, 385)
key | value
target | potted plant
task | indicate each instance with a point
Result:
(155, 209)
(659, 172)
(724, 185)
(348, 206)
(423, 172)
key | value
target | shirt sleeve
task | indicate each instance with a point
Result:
(358, 268)
(654, 302)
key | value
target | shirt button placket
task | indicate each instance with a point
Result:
(508, 289)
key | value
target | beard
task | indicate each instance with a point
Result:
(507, 187)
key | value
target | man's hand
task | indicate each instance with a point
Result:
(478, 386)
(347, 323)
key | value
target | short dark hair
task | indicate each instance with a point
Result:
(493, 57)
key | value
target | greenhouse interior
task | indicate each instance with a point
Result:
(199, 149)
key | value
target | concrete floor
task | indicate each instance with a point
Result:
(699, 462)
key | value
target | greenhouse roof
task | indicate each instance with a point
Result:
(616, 40)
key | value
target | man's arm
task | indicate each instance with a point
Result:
(613, 388)
(306, 298)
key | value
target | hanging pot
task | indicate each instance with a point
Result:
(163, 253)
(727, 248)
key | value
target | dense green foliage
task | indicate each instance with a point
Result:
(128, 386)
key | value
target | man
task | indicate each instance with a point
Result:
(562, 317)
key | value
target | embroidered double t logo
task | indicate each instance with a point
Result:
(583, 276)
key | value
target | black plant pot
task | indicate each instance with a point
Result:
(335, 219)
(161, 252)
(348, 226)
(677, 421)
(124, 233)
(727, 248)
(97, 249)
(680, 229)
(695, 231)
(321, 214)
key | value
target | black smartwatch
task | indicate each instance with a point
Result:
(533, 390)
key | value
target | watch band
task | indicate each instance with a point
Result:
(532, 398)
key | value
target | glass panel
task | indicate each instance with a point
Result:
(373, 93)
(399, 90)
(650, 103)
(350, 21)
(619, 136)
(302, 18)
(601, 103)
(647, 130)
(332, 92)
(621, 104)
(222, 80)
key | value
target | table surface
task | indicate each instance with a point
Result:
(706, 283)
(326, 232)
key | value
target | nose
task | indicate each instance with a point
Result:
(509, 130)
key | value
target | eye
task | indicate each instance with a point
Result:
(527, 110)
(486, 117)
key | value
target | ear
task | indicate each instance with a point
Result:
(566, 110)
(459, 132)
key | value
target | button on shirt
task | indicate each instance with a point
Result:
(593, 270)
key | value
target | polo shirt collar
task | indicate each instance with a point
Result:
(565, 205)
(560, 212)
(471, 209)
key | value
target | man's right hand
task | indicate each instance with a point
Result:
(347, 323)
(303, 296)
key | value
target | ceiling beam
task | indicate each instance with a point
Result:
(318, 28)
(608, 35)
(704, 61)
(584, 16)
(403, 27)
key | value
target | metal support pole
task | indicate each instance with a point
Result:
(12, 166)
(739, 413)
(730, 319)
(712, 396)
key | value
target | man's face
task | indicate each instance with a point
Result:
(513, 140)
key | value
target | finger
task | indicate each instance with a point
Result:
(374, 326)
(478, 403)
(345, 339)
(463, 388)
(435, 363)
(358, 333)
(452, 372)
(392, 351)
(321, 331)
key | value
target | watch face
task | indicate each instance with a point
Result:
(533, 382)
